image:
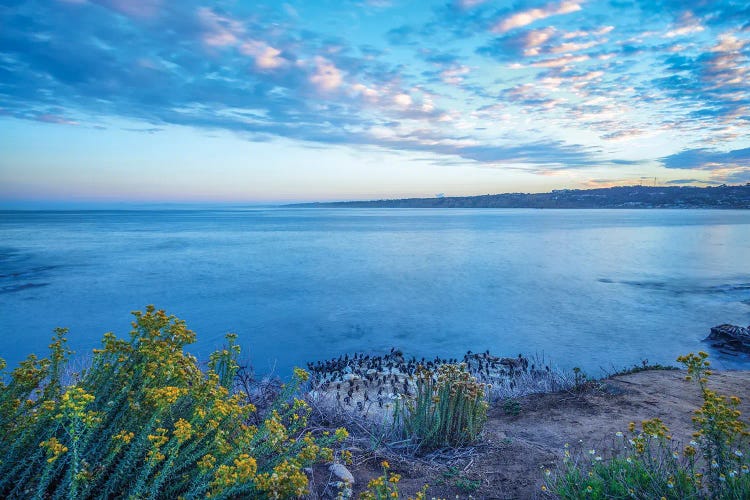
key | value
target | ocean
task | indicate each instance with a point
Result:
(597, 289)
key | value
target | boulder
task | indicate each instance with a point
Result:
(731, 337)
(342, 474)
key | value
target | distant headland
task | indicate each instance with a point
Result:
(724, 196)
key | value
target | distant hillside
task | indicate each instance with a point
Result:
(616, 197)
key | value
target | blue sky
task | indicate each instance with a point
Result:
(235, 101)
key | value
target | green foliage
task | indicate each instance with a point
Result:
(648, 464)
(511, 407)
(449, 408)
(580, 380)
(643, 367)
(455, 477)
(145, 421)
(653, 473)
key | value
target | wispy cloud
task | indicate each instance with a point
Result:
(530, 16)
(707, 159)
(541, 86)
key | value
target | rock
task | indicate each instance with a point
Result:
(342, 473)
(731, 337)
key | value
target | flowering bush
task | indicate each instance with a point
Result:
(145, 421)
(648, 464)
(448, 409)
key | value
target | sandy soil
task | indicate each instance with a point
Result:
(517, 448)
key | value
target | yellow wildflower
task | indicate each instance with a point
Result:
(341, 434)
(54, 448)
(124, 436)
(207, 462)
(182, 430)
(301, 374)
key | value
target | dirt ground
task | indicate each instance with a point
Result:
(519, 445)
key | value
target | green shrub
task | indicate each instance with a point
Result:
(455, 477)
(512, 407)
(448, 409)
(145, 421)
(648, 464)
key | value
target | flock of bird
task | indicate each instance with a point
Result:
(364, 382)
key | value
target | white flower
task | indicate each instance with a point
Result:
(670, 484)
(714, 465)
(675, 454)
(732, 473)
(738, 453)
(592, 452)
(618, 434)
(598, 459)
(693, 443)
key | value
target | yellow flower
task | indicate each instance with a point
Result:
(154, 456)
(207, 462)
(54, 448)
(161, 397)
(73, 404)
(341, 434)
(301, 374)
(124, 436)
(182, 430)
(246, 467)
(160, 438)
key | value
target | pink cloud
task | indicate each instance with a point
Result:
(266, 57)
(368, 93)
(220, 31)
(580, 33)
(470, 4)
(454, 76)
(729, 43)
(142, 9)
(52, 118)
(529, 16)
(688, 24)
(403, 100)
(559, 62)
(573, 47)
(327, 76)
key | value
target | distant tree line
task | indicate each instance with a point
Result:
(724, 196)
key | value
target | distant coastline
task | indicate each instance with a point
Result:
(644, 197)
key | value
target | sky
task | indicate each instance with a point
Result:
(157, 101)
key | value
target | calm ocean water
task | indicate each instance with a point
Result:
(589, 288)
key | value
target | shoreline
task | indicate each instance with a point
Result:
(518, 445)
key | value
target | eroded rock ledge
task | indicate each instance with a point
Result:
(731, 338)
